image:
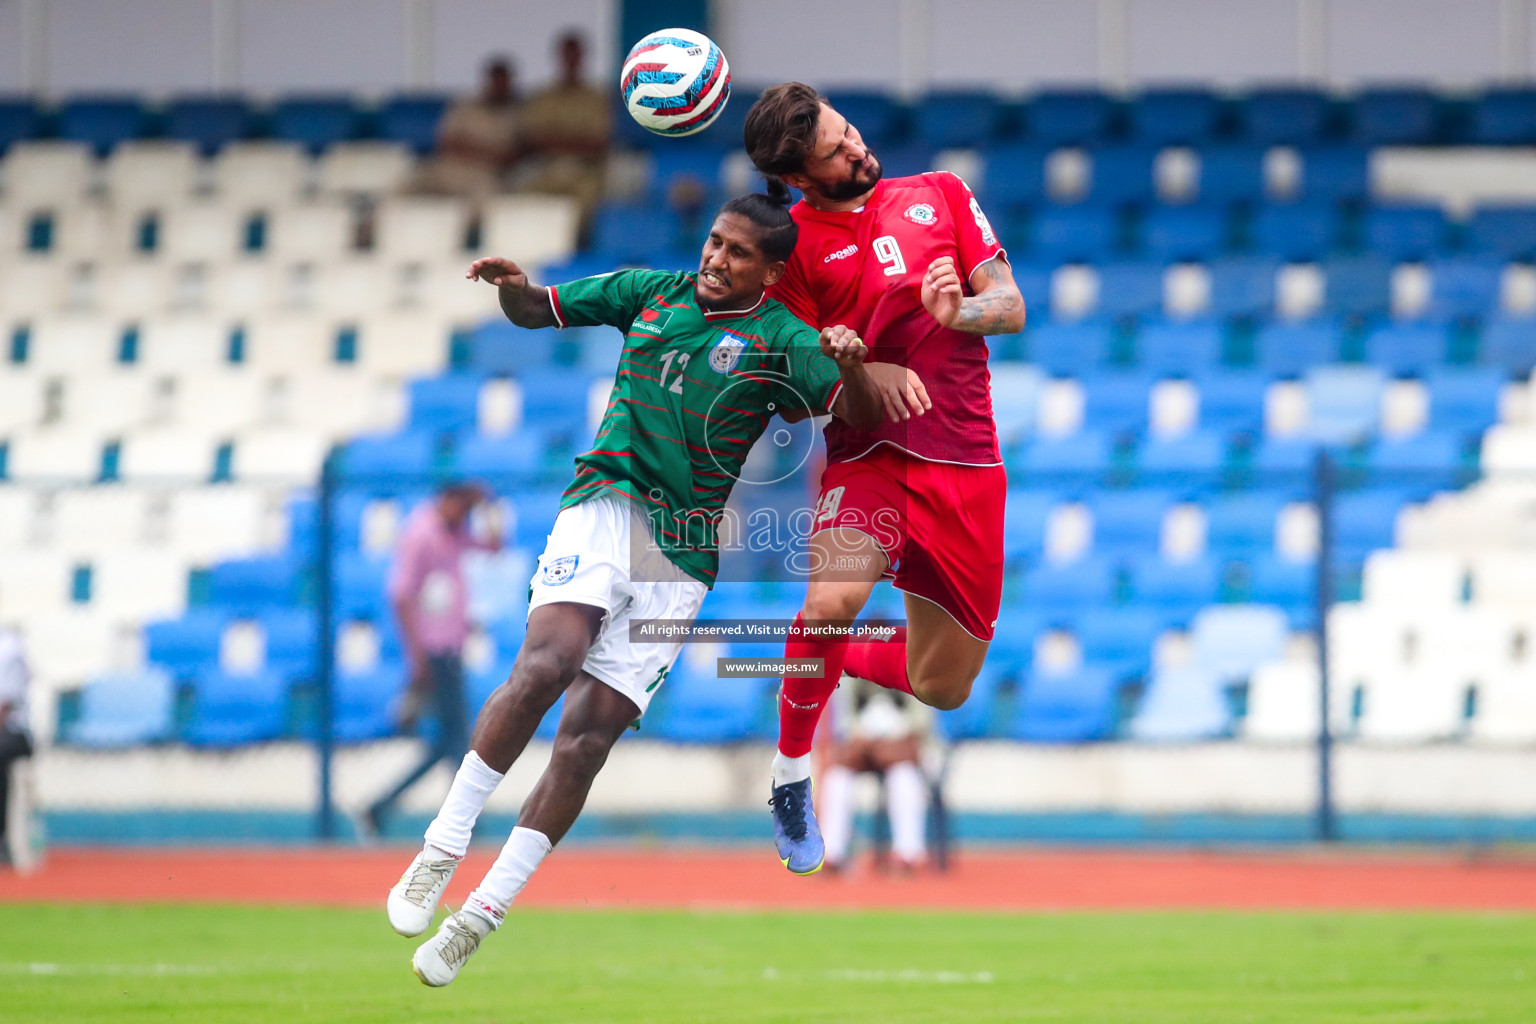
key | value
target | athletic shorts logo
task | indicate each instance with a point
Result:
(726, 353)
(981, 221)
(652, 320)
(921, 213)
(560, 570)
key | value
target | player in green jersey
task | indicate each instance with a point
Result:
(708, 360)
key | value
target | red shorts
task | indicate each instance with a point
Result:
(941, 526)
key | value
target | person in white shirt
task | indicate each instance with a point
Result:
(15, 737)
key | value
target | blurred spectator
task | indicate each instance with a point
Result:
(478, 140)
(566, 129)
(15, 744)
(431, 603)
(880, 731)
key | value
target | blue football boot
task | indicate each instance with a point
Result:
(795, 831)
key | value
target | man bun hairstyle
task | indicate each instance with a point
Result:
(780, 130)
(776, 229)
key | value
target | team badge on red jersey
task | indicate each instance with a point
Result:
(726, 354)
(921, 213)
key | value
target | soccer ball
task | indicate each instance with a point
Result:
(675, 82)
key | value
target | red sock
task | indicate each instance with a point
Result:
(801, 700)
(882, 662)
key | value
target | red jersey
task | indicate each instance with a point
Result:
(864, 268)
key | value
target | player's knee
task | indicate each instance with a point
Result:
(944, 691)
(582, 751)
(833, 604)
(543, 671)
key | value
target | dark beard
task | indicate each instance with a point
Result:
(856, 186)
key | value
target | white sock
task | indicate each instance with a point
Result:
(472, 786)
(515, 864)
(836, 811)
(906, 798)
(790, 769)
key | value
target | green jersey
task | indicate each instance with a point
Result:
(694, 390)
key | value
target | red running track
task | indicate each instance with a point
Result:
(1001, 881)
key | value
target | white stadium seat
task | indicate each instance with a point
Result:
(366, 168)
(221, 402)
(75, 344)
(1506, 706)
(403, 344)
(33, 582)
(353, 287)
(274, 454)
(1364, 640)
(151, 175)
(42, 174)
(1505, 579)
(420, 229)
(533, 230)
(289, 344)
(55, 454)
(1413, 578)
(445, 290)
(310, 232)
(35, 287)
(18, 517)
(1414, 706)
(206, 524)
(340, 401)
(132, 289)
(187, 342)
(108, 403)
(70, 645)
(91, 521)
(21, 398)
(137, 585)
(203, 232)
(169, 454)
(1284, 699)
(1472, 638)
(246, 289)
(260, 175)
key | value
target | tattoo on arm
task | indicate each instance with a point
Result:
(997, 307)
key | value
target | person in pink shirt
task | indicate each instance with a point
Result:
(431, 604)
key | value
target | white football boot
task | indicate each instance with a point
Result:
(413, 901)
(437, 961)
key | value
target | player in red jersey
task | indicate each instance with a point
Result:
(913, 265)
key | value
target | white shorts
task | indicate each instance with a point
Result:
(589, 559)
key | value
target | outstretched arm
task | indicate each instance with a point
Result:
(525, 303)
(871, 391)
(996, 308)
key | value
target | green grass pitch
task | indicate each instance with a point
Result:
(210, 964)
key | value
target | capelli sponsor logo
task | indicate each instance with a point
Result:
(841, 254)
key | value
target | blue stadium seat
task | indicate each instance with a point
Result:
(1085, 453)
(1122, 174)
(1069, 349)
(1118, 636)
(700, 708)
(1295, 231)
(1466, 286)
(1288, 585)
(1115, 402)
(1507, 231)
(1419, 464)
(1013, 642)
(209, 122)
(1243, 286)
(1015, 400)
(292, 642)
(598, 348)
(638, 232)
(1070, 587)
(973, 719)
(1025, 517)
(1505, 117)
(1464, 400)
(1183, 704)
(1128, 521)
(1193, 460)
(1034, 281)
(498, 459)
(1357, 285)
(1509, 343)
(447, 404)
(1233, 640)
(1291, 349)
(1175, 591)
(413, 120)
(1407, 349)
(1231, 174)
(554, 397)
(103, 122)
(1285, 463)
(1395, 117)
(228, 710)
(1177, 234)
(126, 708)
(358, 588)
(907, 160)
(1072, 708)
(696, 160)
(879, 119)
(1335, 172)
(316, 122)
(1066, 117)
(362, 702)
(1285, 116)
(1012, 175)
(1243, 524)
(407, 454)
(1067, 234)
(1366, 521)
(1179, 349)
(250, 586)
(536, 513)
(187, 645)
(1130, 289)
(20, 120)
(1343, 402)
(957, 118)
(1166, 117)
(500, 347)
(1232, 401)
(1405, 232)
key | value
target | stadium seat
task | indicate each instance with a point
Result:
(957, 118)
(20, 121)
(875, 114)
(1505, 231)
(700, 708)
(1065, 588)
(499, 347)
(1233, 640)
(249, 586)
(102, 122)
(1297, 232)
(1291, 349)
(1284, 116)
(536, 512)
(1015, 401)
(1286, 584)
(1364, 521)
(1025, 517)
(1413, 706)
(50, 173)
(1407, 349)
(1117, 402)
(316, 122)
(362, 703)
(1423, 581)
(125, 709)
(1122, 174)
(635, 232)
(1420, 463)
(1069, 117)
(291, 642)
(1404, 232)
(413, 120)
(1118, 636)
(1193, 460)
(1504, 117)
(973, 719)
(448, 404)
(690, 159)
(1464, 401)
(1506, 708)
(1283, 702)
(555, 398)
(1231, 174)
(1464, 287)
(1182, 704)
(1179, 349)
(154, 175)
(359, 586)
(1243, 524)
(500, 461)
(260, 175)
(1395, 117)
(1357, 285)
(1231, 401)
(410, 455)
(1332, 173)
(187, 645)
(229, 711)
(1065, 234)
(1176, 234)
(1013, 175)
(421, 228)
(1509, 344)
(1076, 707)
(208, 122)
(1175, 590)
(1243, 286)
(1343, 402)
(1130, 289)
(1128, 521)
(1166, 117)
